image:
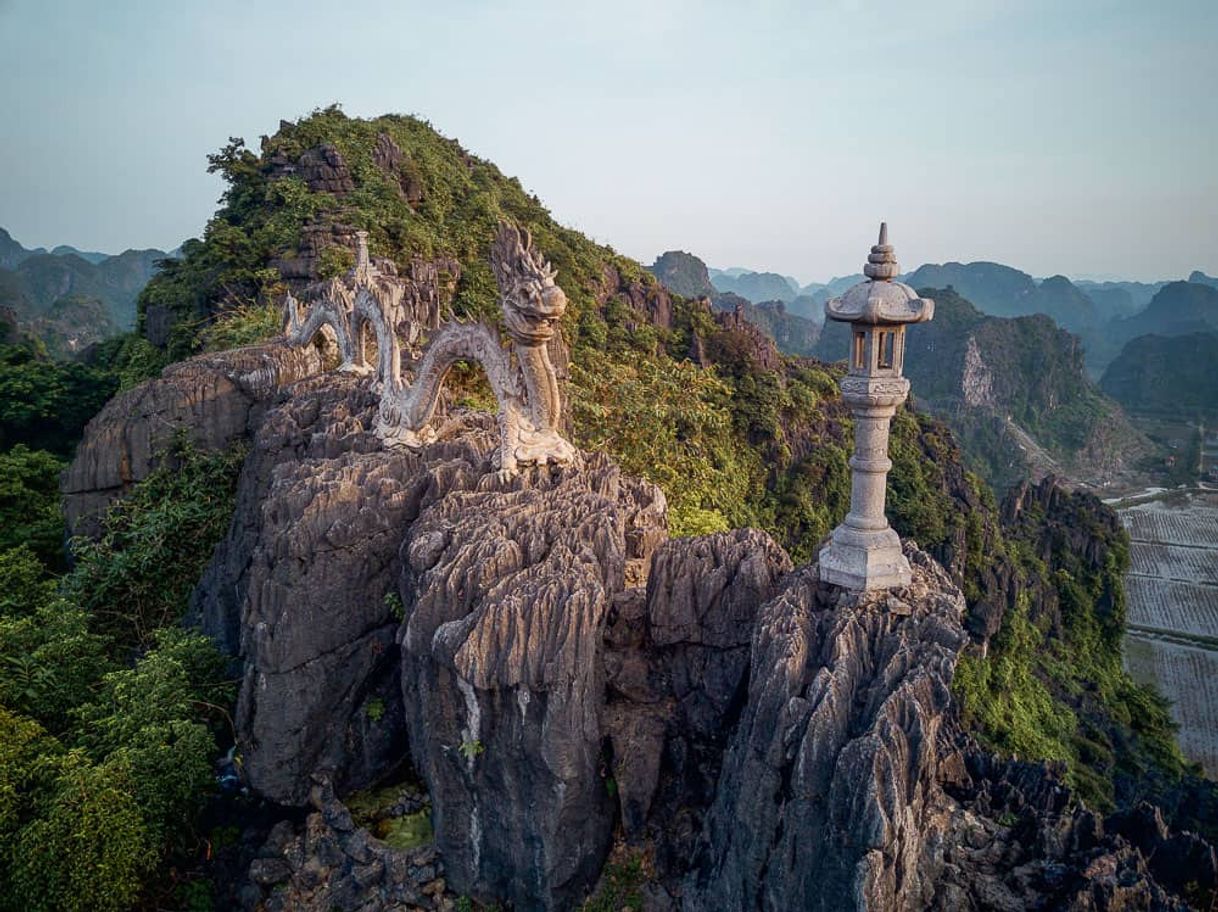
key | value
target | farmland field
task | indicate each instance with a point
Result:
(1167, 606)
(1196, 525)
(1172, 589)
(1174, 562)
(1187, 675)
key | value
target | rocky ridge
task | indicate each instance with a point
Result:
(771, 741)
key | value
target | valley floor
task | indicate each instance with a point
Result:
(1172, 586)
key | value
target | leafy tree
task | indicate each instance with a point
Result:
(87, 849)
(29, 504)
(24, 583)
(50, 662)
(45, 404)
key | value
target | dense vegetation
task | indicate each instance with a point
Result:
(109, 710)
(1052, 686)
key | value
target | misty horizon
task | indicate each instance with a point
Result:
(1075, 141)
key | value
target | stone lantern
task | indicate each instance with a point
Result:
(865, 553)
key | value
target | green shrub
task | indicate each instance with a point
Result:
(29, 504)
(137, 577)
(247, 324)
(87, 850)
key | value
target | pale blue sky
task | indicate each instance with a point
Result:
(1075, 136)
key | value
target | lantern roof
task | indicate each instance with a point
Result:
(881, 299)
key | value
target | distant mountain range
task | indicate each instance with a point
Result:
(755, 286)
(1168, 352)
(1003, 360)
(1104, 315)
(71, 298)
(685, 274)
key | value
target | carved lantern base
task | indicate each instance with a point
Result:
(861, 560)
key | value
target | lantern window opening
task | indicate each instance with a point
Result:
(886, 349)
(860, 349)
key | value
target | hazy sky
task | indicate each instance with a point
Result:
(1074, 136)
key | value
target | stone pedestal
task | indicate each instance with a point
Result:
(864, 552)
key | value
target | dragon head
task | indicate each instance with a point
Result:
(532, 302)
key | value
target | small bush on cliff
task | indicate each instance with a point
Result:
(137, 577)
(244, 325)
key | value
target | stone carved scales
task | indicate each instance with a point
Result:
(522, 377)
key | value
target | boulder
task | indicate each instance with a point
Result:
(215, 400)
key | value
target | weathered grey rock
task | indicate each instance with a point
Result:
(303, 587)
(215, 399)
(1017, 840)
(676, 661)
(830, 795)
(506, 589)
(325, 170)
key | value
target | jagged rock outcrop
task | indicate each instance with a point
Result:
(1018, 841)
(325, 170)
(213, 399)
(683, 273)
(506, 588)
(298, 587)
(830, 795)
(676, 661)
(650, 299)
(741, 344)
(387, 156)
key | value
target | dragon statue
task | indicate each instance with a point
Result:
(522, 377)
(332, 309)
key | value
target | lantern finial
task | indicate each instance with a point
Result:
(882, 264)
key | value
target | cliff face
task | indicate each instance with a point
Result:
(1171, 376)
(686, 275)
(837, 754)
(215, 400)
